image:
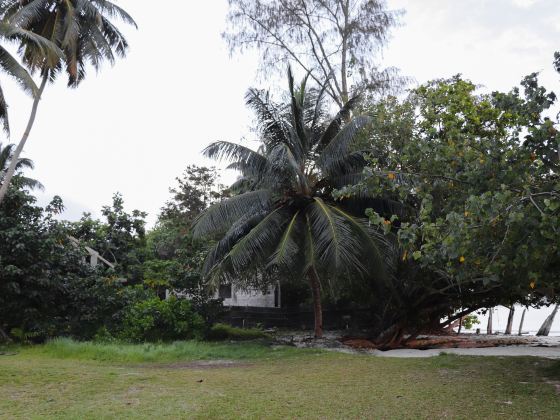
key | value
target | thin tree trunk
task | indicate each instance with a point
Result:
(521, 323)
(489, 327)
(510, 320)
(460, 325)
(14, 160)
(318, 310)
(344, 65)
(544, 330)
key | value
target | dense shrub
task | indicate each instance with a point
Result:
(227, 332)
(160, 320)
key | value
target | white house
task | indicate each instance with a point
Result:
(232, 296)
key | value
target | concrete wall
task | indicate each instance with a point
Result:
(253, 298)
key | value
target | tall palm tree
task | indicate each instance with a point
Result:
(6, 156)
(81, 29)
(283, 219)
(10, 33)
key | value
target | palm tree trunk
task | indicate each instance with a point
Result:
(13, 162)
(544, 330)
(509, 326)
(521, 323)
(316, 292)
(489, 327)
(343, 67)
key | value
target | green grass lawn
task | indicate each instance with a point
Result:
(70, 380)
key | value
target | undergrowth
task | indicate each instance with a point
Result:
(65, 348)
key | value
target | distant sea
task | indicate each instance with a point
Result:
(529, 332)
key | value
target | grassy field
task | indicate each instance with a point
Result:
(70, 380)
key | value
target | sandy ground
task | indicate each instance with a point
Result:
(548, 347)
(547, 352)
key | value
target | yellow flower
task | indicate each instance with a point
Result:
(391, 176)
(387, 222)
(467, 214)
(461, 259)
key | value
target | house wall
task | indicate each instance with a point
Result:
(254, 298)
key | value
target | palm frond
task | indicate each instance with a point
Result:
(348, 170)
(4, 120)
(336, 245)
(243, 183)
(297, 101)
(112, 10)
(273, 129)
(10, 66)
(374, 244)
(283, 168)
(6, 155)
(222, 215)
(337, 123)
(29, 183)
(318, 107)
(82, 29)
(50, 51)
(25, 163)
(22, 14)
(239, 228)
(246, 160)
(285, 253)
(249, 245)
(255, 247)
(334, 154)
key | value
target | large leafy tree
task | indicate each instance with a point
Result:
(480, 175)
(332, 40)
(119, 238)
(283, 221)
(39, 269)
(175, 259)
(81, 29)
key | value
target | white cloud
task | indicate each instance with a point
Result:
(524, 3)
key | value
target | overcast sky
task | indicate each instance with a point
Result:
(133, 128)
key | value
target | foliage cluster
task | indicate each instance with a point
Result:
(478, 177)
(49, 288)
(156, 319)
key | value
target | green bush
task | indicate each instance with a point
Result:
(227, 332)
(155, 319)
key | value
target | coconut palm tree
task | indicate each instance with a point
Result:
(283, 219)
(10, 33)
(6, 155)
(81, 29)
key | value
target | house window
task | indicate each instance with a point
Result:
(225, 291)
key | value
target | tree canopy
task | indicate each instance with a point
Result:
(336, 41)
(479, 176)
